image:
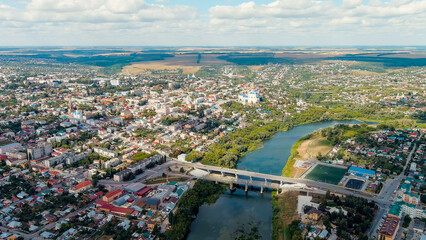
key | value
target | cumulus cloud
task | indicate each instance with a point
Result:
(278, 9)
(95, 11)
(153, 22)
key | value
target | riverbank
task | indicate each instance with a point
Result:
(232, 210)
(203, 192)
(289, 169)
(306, 148)
(284, 208)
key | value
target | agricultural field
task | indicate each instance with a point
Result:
(189, 63)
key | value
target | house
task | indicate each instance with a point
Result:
(50, 218)
(314, 214)
(151, 225)
(14, 225)
(81, 187)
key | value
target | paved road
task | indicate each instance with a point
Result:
(307, 182)
(389, 188)
(148, 173)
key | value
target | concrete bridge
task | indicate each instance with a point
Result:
(260, 184)
(261, 180)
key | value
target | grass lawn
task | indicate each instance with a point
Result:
(327, 174)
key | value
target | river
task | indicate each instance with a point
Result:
(232, 211)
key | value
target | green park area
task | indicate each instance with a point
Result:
(327, 174)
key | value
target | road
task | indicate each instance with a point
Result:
(384, 200)
(284, 180)
(148, 173)
(389, 188)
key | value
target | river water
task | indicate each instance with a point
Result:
(234, 210)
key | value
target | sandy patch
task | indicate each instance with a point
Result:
(303, 149)
(158, 66)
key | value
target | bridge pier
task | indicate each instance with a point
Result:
(261, 189)
(236, 176)
(231, 187)
(251, 179)
(223, 174)
(246, 189)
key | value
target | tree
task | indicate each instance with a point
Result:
(407, 220)
(423, 198)
(172, 218)
(322, 205)
(327, 194)
(156, 230)
(182, 170)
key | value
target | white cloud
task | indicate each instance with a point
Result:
(352, 3)
(279, 22)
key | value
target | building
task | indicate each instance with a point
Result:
(118, 177)
(153, 203)
(121, 211)
(419, 226)
(135, 187)
(111, 196)
(400, 208)
(249, 97)
(105, 152)
(144, 192)
(115, 82)
(389, 228)
(314, 214)
(361, 172)
(81, 187)
(66, 157)
(405, 194)
(111, 163)
(13, 147)
(41, 150)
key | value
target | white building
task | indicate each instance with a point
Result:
(115, 82)
(249, 97)
(105, 152)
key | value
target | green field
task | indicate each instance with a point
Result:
(327, 174)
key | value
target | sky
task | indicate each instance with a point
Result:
(212, 23)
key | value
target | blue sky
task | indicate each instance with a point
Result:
(212, 23)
